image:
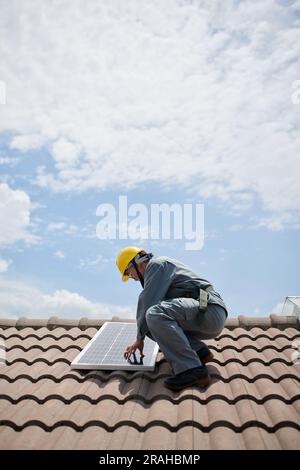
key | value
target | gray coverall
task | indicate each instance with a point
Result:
(168, 312)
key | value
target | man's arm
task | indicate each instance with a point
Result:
(158, 279)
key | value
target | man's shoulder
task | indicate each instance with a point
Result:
(162, 261)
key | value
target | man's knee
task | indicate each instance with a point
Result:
(214, 321)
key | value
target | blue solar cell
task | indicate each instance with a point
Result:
(106, 350)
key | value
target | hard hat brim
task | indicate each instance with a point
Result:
(125, 278)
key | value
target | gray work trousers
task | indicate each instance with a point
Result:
(173, 324)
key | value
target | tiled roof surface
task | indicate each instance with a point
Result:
(253, 401)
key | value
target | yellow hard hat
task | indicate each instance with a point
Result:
(124, 258)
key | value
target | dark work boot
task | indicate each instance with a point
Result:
(195, 376)
(205, 355)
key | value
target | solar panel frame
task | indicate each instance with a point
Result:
(153, 348)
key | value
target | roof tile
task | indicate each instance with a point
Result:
(253, 401)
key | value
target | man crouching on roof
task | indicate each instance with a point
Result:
(177, 309)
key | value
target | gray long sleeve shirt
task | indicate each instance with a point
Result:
(167, 278)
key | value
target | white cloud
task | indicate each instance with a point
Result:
(15, 207)
(91, 262)
(72, 229)
(56, 226)
(27, 142)
(2, 92)
(100, 259)
(182, 93)
(277, 222)
(65, 154)
(9, 161)
(20, 299)
(4, 264)
(69, 229)
(59, 254)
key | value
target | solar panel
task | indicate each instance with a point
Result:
(106, 350)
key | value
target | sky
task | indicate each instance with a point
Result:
(177, 102)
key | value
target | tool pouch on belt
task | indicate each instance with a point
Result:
(203, 298)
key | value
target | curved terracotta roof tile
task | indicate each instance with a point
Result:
(253, 401)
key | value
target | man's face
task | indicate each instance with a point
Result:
(131, 272)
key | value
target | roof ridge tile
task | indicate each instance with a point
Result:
(272, 321)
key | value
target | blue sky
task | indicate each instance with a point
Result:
(164, 102)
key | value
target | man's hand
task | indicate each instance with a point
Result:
(138, 344)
